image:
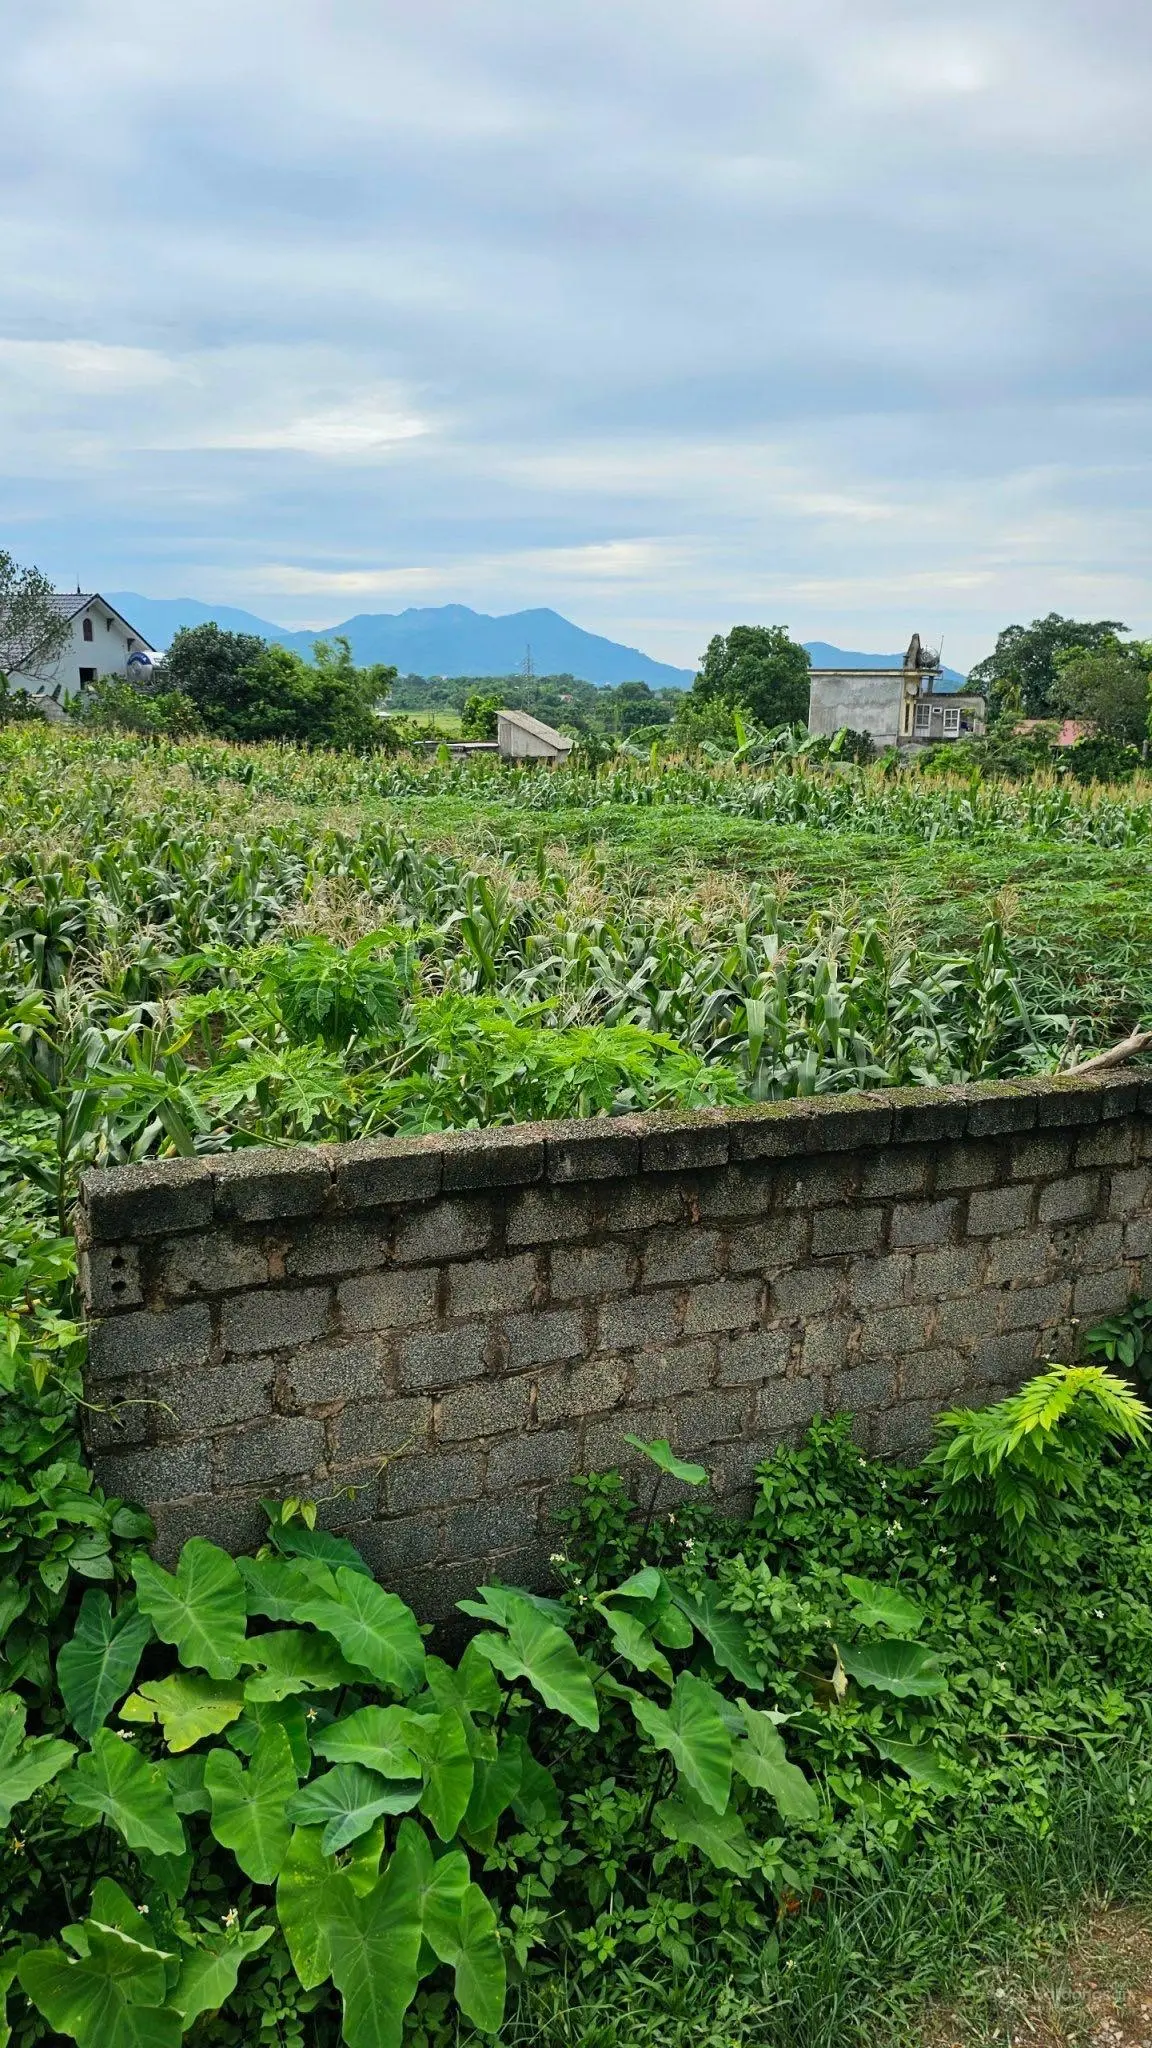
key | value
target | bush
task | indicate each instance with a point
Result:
(113, 704)
(1100, 758)
(245, 690)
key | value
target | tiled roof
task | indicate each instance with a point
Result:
(66, 603)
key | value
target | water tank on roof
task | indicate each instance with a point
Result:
(144, 668)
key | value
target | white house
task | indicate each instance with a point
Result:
(101, 643)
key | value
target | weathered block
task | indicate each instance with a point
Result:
(638, 1319)
(1064, 1200)
(762, 1355)
(596, 1150)
(289, 1447)
(443, 1358)
(679, 1256)
(488, 1287)
(444, 1230)
(110, 1277)
(836, 1231)
(343, 1244)
(217, 1262)
(273, 1320)
(530, 1459)
(591, 1270)
(381, 1170)
(367, 1432)
(502, 1158)
(388, 1301)
(677, 1369)
(923, 1223)
(144, 1342)
(719, 1305)
(434, 1480)
(486, 1408)
(128, 1203)
(543, 1336)
(1000, 1209)
(254, 1187)
(576, 1391)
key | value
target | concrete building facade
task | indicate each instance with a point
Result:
(896, 707)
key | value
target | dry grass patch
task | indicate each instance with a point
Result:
(1095, 1994)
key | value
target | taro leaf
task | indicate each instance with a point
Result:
(297, 1540)
(187, 1705)
(920, 1762)
(374, 1629)
(662, 1454)
(14, 1599)
(168, 1874)
(291, 1660)
(494, 1787)
(537, 1801)
(441, 1889)
(210, 1974)
(459, 1927)
(903, 1669)
(273, 1587)
(201, 1610)
(631, 1640)
(495, 1603)
(112, 1907)
(884, 1607)
(8, 1968)
(97, 1667)
(249, 1806)
(290, 1715)
(646, 1584)
(374, 1736)
(761, 1760)
(104, 1999)
(185, 1775)
(117, 1784)
(471, 1688)
(720, 1838)
(441, 1743)
(672, 1628)
(374, 1941)
(723, 1631)
(693, 1732)
(25, 1766)
(303, 1898)
(537, 1650)
(345, 1802)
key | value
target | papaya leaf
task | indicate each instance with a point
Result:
(374, 1629)
(884, 1607)
(374, 1736)
(903, 1669)
(662, 1455)
(25, 1765)
(920, 1762)
(291, 1660)
(761, 1760)
(721, 1629)
(187, 1705)
(721, 1838)
(303, 1902)
(210, 1975)
(441, 1744)
(200, 1611)
(692, 1730)
(249, 1806)
(374, 1941)
(96, 1668)
(535, 1649)
(115, 1783)
(345, 1801)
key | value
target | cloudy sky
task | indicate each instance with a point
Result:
(668, 313)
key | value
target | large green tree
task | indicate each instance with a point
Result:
(246, 690)
(760, 669)
(1021, 674)
(1109, 686)
(33, 631)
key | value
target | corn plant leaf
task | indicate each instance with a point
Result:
(188, 1705)
(722, 1630)
(661, 1454)
(345, 1801)
(692, 1730)
(440, 1742)
(102, 1999)
(211, 1973)
(25, 1765)
(903, 1669)
(374, 1736)
(200, 1610)
(374, 1629)
(249, 1806)
(719, 1837)
(291, 1660)
(494, 1787)
(303, 1900)
(920, 1762)
(115, 1783)
(533, 1648)
(884, 1607)
(374, 1940)
(762, 1761)
(96, 1668)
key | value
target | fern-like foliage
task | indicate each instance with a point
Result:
(1019, 1457)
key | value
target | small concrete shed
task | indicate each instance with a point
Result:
(522, 738)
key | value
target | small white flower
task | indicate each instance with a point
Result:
(557, 1557)
(1001, 1666)
(231, 1917)
(1099, 1613)
(144, 1910)
(689, 1543)
(125, 1734)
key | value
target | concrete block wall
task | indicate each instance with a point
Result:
(453, 1326)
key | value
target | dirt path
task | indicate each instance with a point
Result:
(1098, 1994)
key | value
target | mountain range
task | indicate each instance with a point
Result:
(452, 640)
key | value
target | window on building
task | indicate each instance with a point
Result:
(923, 717)
(87, 675)
(951, 721)
(87, 629)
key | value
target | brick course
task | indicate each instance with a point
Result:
(455, 1326)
